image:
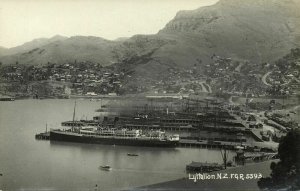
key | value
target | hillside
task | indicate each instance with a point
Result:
(3, 51)
(259, 31)
(81, 48)
(36, 43)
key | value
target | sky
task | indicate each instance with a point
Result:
(24, 20)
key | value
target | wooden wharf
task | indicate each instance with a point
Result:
(43, 136)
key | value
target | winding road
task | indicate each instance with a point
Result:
(264, 78)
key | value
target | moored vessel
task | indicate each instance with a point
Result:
(107, 136)
(113, 136)
(105, 167)
(132, 154)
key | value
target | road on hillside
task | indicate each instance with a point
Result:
(264, 78)
(206, 88)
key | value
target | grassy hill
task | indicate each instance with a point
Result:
(259, 31)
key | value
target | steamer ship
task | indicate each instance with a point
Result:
(114, 136)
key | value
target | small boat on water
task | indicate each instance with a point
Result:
(105, 167)
(132, 154)
(100, 110)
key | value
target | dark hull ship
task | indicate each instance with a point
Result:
(116, 137)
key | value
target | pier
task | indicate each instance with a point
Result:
(208, 144)
(43, 136)
(186, 143)
(203, 167)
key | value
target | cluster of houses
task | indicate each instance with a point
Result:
(223, 75)
(80, 78)
(289, 82)
(22, 73)
(285, 73)
(176, 81)
(229, 76)
(92, 79)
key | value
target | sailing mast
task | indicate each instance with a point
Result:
(74, 116)
(224, 156)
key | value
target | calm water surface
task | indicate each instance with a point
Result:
(29, 164)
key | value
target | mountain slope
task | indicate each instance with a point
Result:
(36, 43)
(259, 31)
(93, 49)
(3, 51)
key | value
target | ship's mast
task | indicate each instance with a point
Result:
(100, 111)
(74, 116)
(224, 156)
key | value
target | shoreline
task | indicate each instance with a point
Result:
(229, 183)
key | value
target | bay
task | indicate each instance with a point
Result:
(29, 164)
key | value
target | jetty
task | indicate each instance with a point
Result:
(186, 143)
(43, 136)
(203, 167)
(7, 98)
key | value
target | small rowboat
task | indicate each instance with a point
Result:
(132, 154)
(105, 167)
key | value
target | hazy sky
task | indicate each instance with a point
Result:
(24, 20)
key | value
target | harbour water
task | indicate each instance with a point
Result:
(29, 164)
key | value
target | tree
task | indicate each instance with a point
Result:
(286, 172)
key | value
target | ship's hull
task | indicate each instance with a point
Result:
(69, 137)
